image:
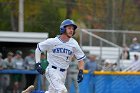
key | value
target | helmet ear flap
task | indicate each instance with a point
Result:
(62, 30)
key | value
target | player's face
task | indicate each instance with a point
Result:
(69, 31)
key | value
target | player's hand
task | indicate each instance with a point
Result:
(39, 68)
(80, 76)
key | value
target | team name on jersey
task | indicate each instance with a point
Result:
(62, 50)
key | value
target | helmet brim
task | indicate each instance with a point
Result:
(75, 27)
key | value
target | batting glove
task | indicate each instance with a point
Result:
(80, 76)
(39, 68)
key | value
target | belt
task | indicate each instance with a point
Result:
(61, 69)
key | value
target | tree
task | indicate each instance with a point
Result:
(46, 19)
(9, 17)
(70, 4)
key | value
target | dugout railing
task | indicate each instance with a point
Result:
(14, 71)
(102, 48)
(98, 82)
(107, 44)
(118, 37)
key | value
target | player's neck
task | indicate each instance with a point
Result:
(64, 38)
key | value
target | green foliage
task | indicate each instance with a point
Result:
(46, 19)
(46, 15)
(4, 19)
(6, 6)
(9, 15)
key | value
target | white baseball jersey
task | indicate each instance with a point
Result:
(60, 53)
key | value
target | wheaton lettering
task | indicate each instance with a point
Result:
(62, 50)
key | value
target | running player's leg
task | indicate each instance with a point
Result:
(51, 90)
(56, 90)
(56, 80)
(46, 91)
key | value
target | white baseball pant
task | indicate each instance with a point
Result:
(56, 78)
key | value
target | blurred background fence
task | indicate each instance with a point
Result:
(118, 37)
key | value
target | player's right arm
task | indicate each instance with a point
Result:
(37, 55)
(41, 47)
(38, 63)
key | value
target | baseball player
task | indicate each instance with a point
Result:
(60, 51)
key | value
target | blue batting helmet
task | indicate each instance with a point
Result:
(65, 23)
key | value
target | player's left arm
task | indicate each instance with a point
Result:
(79, 54)
(81, 65)
(80, 73)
